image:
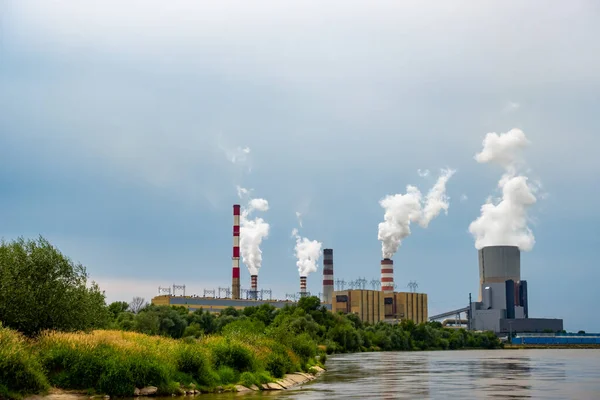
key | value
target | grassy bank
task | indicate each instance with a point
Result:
(116, 362)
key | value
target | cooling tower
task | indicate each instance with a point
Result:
(387, 275)
(497, 264)
(303, 285)
(327, 276)
(235, 282)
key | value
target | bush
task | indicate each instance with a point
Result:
(248, 379)
(277, 365)
(230, 353)
(227, 375)
(20, 370)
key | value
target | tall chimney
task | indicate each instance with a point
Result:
(254, 286)
(387, 275)
(327, 276)
(303, 285)
(235, 282)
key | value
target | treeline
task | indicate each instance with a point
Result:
(46, 297)
(336, 333)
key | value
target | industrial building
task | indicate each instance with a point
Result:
(503, 306)
(370, 306)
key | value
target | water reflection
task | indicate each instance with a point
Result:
(548, 374)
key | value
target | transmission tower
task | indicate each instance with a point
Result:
(166, 290)
(290, 296)
(362, 283)
(340, 284)
(209, 292)
(266, 292)
(225, 290)
(375, 284)
(413, 285)
(178, 287)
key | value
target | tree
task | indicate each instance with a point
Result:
(137, 304)
(41, 289)
(117, 307)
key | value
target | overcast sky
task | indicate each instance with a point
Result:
(119, 122)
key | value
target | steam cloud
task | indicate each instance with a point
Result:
(252, 232)
(307, 252)
(505, 223)
(402, 209)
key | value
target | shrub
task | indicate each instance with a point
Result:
(232, 354)
(248, 379)
(20, 370)
(277, 365)
(227, 375)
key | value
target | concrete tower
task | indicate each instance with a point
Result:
(497, 264)
(235, 282)
(387, 275)
(327, 276)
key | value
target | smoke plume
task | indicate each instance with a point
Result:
(307, 252)
(504, 222)
(402, 209)
(252, 233)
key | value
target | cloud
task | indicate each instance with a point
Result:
(423, 174)
(511, 106)
(463, 198)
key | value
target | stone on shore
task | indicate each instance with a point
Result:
(148, 391)
(274, 386)
(242, 389)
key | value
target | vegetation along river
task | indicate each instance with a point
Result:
(472, 374)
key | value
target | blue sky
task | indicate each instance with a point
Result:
(116, 122)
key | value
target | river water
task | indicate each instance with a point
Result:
(472, 374)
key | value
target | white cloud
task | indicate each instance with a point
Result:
(511, 106)
(423, 173)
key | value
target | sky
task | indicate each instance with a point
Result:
(123, 127)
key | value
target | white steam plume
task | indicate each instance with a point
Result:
(505, 223)
(402, 209)
(252, 233)
(307, 252)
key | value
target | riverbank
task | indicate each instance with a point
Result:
(128, 364)
(289, 381)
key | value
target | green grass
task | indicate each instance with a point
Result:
(116, 362)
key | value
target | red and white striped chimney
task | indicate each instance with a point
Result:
(235, 283)
(387, 275)
(303, 285)
(253, 286)
(327, 276)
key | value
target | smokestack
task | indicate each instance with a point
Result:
(387, 275)
(235, 282)
(303, 285)
(253, 286)
(327, 276)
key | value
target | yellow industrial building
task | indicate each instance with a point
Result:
(370, 306)
(373, 306)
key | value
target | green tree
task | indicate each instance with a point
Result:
(40, 289)
(117, 307)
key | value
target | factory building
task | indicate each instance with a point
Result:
(375, 306)
(502, 306)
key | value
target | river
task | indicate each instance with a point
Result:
(471, 374)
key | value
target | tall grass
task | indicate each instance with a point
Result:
(20, 370)
(116, 362)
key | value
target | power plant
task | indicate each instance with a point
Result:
(502, 305)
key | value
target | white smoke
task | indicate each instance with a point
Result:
(505, 223)
(307, 252)
(252, 233)
(402, 209)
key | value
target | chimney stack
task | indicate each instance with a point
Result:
(327, 276)
(254, 287)
(303, 285)
(387, 275)
(235, 283)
